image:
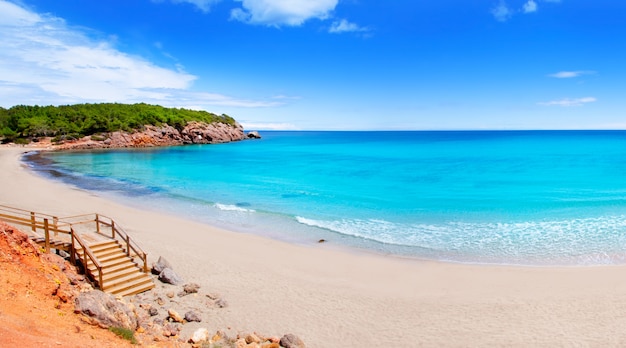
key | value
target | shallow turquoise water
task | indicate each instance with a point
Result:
(488, 197)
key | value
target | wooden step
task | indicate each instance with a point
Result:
(109, 275)
(125, 287)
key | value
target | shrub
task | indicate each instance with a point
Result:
(124, 333)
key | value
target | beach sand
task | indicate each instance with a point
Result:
(332, 297)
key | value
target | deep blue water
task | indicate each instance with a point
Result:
(527, 197)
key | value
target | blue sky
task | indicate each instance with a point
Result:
(327, 64)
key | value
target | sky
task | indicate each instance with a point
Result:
(327, 64)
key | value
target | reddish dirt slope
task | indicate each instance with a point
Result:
(36, 300)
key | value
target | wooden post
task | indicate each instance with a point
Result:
(145, 263)
(47, 234)
(55, 224)
(97, 223)
(33, 224)
(73, 248)
(128, 245)
(112, 229)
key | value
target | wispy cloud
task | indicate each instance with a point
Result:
(203, 5)
(530, 7)
(281, 12)
(571, 74)
(44, 61)
(567, 102)
(269, 126)
(501, 12)
(343, 26)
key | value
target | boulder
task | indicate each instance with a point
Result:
(104, 310)
(160, 265)
(193, 316)
(253, 135)
(170, 277)
(291, 341)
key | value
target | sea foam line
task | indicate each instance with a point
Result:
(230, 207)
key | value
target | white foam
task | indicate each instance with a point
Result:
(230, 207)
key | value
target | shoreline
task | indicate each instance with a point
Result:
(332, 297)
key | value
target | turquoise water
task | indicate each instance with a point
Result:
(537, 198)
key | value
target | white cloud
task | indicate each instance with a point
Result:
(571, 74)
(530, 6)
(501, 12)
(567, 102)
(44, 61)
(282, 12)
(343, 26)
(203, 5)
(269, 126)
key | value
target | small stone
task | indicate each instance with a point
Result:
(241, 343)
(193, 316)
(221, 303)
(191, 288)
(170, 294)
(252, 338)
(291, 341)
(153, 311)
(200, 335)
(174, 316)
(271, 345)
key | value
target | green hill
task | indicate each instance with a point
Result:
(22, 123)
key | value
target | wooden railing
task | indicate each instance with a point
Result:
(106, 226)
(117, 232)
(68, 226)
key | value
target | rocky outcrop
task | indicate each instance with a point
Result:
(104, 310)
(253, 135)
(165, 135)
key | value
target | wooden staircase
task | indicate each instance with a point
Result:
(121, 276)
(110, 258)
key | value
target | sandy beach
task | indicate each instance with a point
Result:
(331, 297)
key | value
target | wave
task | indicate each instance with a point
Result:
(577, 241)
(230, 207)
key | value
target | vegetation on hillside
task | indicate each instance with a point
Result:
(72, 121)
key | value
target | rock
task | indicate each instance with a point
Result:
(170, 329)
(190, 288)
(271, 345)
(221, 303)
(253, 135)
(200, 335)
(291, 341)
(103, 309)
(241, 343)
(193, 316)
(252, 338)
(160, 265)
(170, 277)
(175, 316)
(170, 294)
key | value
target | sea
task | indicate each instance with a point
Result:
(533, 198)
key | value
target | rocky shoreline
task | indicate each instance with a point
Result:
(165, 135)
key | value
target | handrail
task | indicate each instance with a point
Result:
(86, 252)
(65, 225)
(117, 232)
